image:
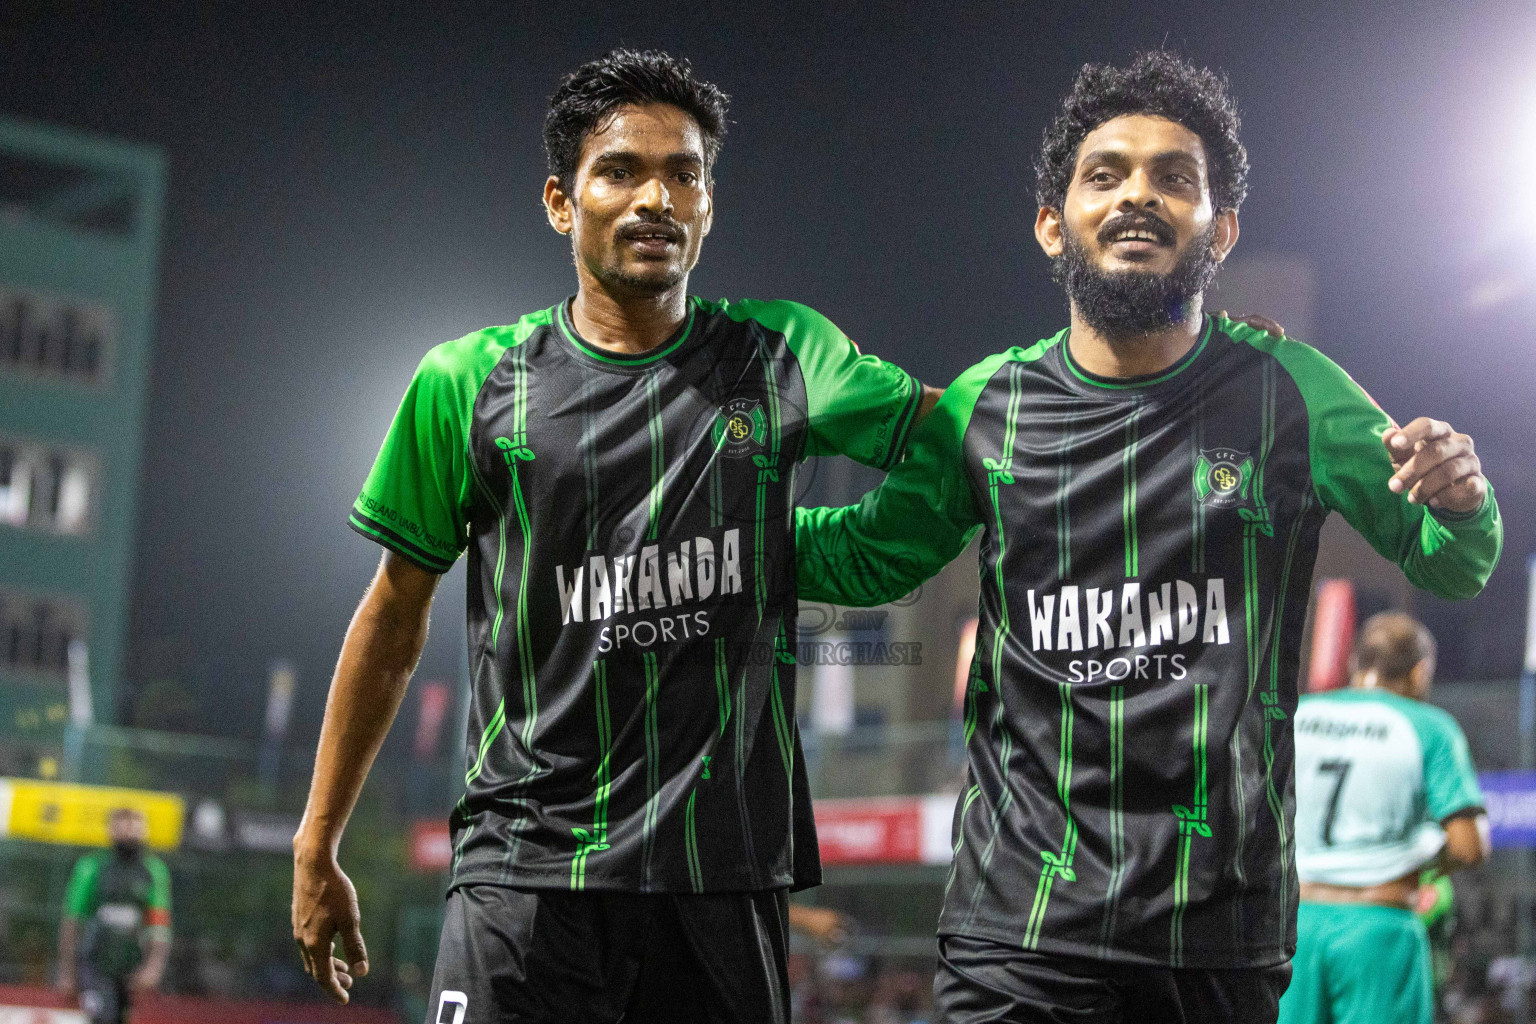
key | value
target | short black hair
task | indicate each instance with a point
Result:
(1391, 644)
(587, 96)
(1156, 82)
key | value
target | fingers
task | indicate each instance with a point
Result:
(357, 953)
(1425, 458)
(1443, 476)
(322, 967)
(339, 968)
(1261, 323)
(1403, 442)
(1436, 466)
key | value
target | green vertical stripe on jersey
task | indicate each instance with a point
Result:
(1116, 815)
(598, 838)
(1192, 822)
(722, 683)
(767, 472)
(691, 844)
(1128, 494)
(658, 455)
(524, 634)
(974, 687)
(652, 764)
(1063, 506)
(783, 728)
(1059, 864)
(965, 808)
(999, 473)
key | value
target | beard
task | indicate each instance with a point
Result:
(636, 284)
(1126, 303)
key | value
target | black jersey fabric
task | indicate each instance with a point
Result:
(1146, 560)
(631, 598)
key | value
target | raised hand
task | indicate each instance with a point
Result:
(1436, 466)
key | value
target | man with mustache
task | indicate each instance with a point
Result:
(620, 469)
(1149, 484)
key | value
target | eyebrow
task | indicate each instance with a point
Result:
(678, 159)
(1118, 156)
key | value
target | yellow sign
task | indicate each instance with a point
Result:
(59, 812)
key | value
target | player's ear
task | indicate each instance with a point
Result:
(1226, 234)
(557, 206)
(1048, 230)
(1420, 675)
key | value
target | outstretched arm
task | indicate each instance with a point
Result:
(1416, 493)
(909, 527)
(381, 648)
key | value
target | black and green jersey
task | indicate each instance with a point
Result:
(631, 597)
(1146, 558)
(119, 901)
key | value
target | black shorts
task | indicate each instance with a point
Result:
(540, 956)
(979, 980)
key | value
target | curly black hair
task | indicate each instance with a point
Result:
(586, 97)
(1156, 82)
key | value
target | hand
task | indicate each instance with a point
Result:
(65, 982)
(1257, 322)
(823, 924)
(145, 979)
(325, 906)
(1435, 466)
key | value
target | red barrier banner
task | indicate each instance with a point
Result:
(431, 845)
(28, 1004)
(885, 830)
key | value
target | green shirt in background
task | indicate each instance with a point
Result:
(120, 902)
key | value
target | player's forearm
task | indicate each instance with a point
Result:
(381, 648)
(843, 557)
(68, 928)
(155, 958)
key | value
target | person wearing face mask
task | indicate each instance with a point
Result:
(116, 932)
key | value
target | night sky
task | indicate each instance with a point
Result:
(346, 191)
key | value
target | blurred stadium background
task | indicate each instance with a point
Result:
(226, 239)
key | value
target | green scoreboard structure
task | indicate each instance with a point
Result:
(80, 220)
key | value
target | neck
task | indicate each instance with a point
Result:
(1372, 680)
(628, 323)
(1134, 355)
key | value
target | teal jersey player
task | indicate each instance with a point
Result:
(1376, 773)
(1384, 788)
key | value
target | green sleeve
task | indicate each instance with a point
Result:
(1449, 556)
(909, 527)
(80, 893)
(158, 901)
(858, 405)
(416, 499)
(1450, 781)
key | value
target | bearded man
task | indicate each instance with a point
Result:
(1149, 484)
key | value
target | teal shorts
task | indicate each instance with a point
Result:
(1359, 964)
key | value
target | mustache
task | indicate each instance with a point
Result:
(666, 227)
(1160, 230)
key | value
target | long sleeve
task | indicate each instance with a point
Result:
(1449, 556)
(909, 527)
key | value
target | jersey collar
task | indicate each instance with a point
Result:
(1101, 385)
(566, 328)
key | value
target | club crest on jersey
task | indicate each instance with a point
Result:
(741, 428)
(1224, 478)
